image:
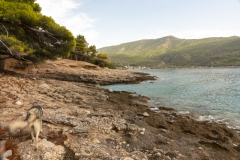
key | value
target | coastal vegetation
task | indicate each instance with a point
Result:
(84, 52)
(27, 35)
(174, 52)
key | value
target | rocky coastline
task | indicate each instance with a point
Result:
(84, 121)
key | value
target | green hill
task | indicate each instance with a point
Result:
(174, 52)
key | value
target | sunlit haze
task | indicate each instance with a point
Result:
(111, 22)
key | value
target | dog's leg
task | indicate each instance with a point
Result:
(41, 125)
(36, 140)
(32, 135)
(37, 129)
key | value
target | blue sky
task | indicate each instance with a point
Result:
(112, 22)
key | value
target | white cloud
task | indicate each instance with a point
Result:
(64, 12)
(58, 9)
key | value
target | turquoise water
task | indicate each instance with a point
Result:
(208, 93)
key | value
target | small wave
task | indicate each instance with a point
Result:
(211, 118)
(206, 118)
(184, 112)
(154, 109)
(235, 128)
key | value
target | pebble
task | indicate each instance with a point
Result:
(8, 153)
(47, 144)
(158, 154)
(142, 133)
(110, 90)
(44, 86)
(145, 114)
(19, 103)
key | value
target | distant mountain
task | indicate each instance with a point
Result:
(174, 52)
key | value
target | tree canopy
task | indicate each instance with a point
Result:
(83, 52)
(27, 34)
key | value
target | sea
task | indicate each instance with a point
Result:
(210, 94)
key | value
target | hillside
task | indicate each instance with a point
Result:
(174, 52)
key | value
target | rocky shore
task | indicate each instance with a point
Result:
(84, 121)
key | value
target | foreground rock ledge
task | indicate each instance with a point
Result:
(84, 121)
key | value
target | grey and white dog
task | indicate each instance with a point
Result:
(32, 123)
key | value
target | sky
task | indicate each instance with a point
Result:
(112, 22)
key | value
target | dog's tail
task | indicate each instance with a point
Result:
(17, 125)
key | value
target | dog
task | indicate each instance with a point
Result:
(32, 123)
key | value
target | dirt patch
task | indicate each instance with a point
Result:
(11, 64)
